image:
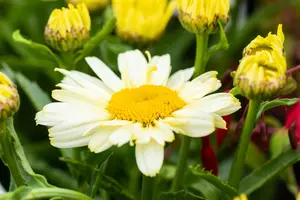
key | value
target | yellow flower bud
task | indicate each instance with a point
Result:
(242, 197)
(68, 28)
(92, 5)
(262, 70)
(201, 16)
(9, 97)
(142, 21)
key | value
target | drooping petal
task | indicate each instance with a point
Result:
(100, 140)
(149, 157)
(193, 127)
(121, 136)
(104, 73)
(163, 68)
(133, 68)
(220, 103)
(177, 80)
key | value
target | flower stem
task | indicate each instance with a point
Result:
(147, 188)
(236, 171)
(178, 179)
(200, 62)
(201, 54)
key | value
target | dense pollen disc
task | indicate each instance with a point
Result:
(144, 104)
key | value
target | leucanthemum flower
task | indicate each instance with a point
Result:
(145, 107)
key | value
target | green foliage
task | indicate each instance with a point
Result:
(275, 103)
(180, 195)
(268, 171)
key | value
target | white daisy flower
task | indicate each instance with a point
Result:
(145, 107)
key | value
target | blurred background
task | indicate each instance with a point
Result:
(31, 72)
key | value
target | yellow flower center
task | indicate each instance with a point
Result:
(144, 104)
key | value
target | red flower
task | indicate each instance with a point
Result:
(293, 118)
(208, 156)
(222, 133)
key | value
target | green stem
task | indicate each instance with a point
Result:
(12, 153)
(200, 62)
(95, 41)
(237, 168)
(147, 188)
(178, 179)
(43, 193)
(201, 54)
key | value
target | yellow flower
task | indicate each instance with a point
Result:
(271, 42)
(91, 4)
(145, 107)
(142, 21)
(261, 73)
(9, 97)
(68, 28)
(242, 197)
(201, 16)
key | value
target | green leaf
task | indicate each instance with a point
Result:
(36, 47)
(35, 94)
(180, 195)
(268, 171)
(106, 182)
(254, 157)
(218, 183)
(275, 103)
(12, 155)
(97, 39)
(96, 178)
(223, 43)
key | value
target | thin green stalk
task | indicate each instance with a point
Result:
(201, 54)
(200, 62)
(147, 188)
(237, 168)
(178, 179)
(56, 192)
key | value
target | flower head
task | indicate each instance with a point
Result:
(145, 107)
(68, 28)
(92, 5)
(9, 97)
(142, 21)
(201, 16)
(261, 73)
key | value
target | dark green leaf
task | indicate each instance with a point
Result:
(180, 195)
(275, 103)
(218, 183)
(36, 47)
(268, 171)
(35, 94)
(96, 178)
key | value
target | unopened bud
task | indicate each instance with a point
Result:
(202, 16)
(9, 97)
(92, 5)
(68, 28)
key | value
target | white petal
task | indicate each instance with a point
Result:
(149, 158)
(221, 104)
(115, 122)
(133, 68)
(177, 80)
(80, 142)
(121, 136)
(193, 127)
(78, 79)
(207, 75)
(100, 140)
(141, 134)
(163, 68)
(162, 133)
(104, 73)
(219, 121)
(77, 130)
